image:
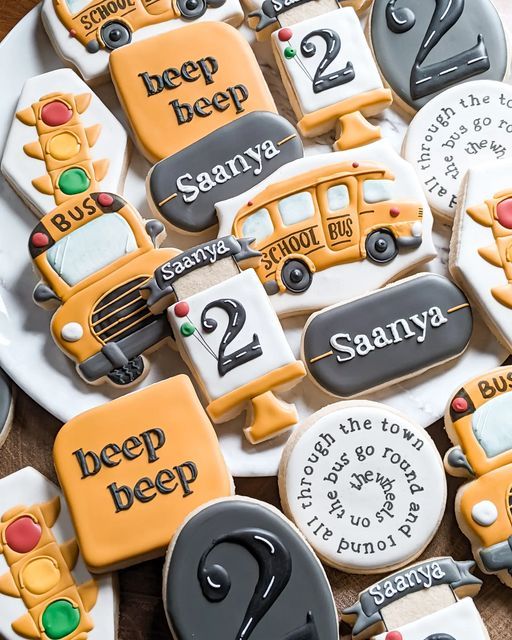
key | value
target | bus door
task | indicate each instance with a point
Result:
(338, 201)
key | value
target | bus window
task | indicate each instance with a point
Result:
(296, 208)
(258, 225)
(492, 426)
(338, 197)
(75, 6)
(377, 190)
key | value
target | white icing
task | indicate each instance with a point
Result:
(28, 487)
(301, 70)
(460, 620)
(296, 208)
(492, 425)
(360, 276)
(91, 247)
(338, 197)
(20, 169)
(201, 349)
(464, 126)
(72, 332)
(484, 513)
(365, 486)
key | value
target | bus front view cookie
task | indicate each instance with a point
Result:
(63, 142)
(478, 420)
(365, 485)
(466, 125)
(239, 569)
(387, 335)
(424, 47)
(46, 593)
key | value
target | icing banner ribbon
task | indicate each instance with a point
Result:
(272, 9)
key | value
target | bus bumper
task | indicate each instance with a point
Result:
(409, 242)
(498, 557)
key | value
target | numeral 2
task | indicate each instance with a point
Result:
(236, 321)
(332, 42)
(432, 78)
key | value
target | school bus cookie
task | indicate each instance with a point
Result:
(63, 142)
(238, 569)
(179, 87)
(130, 485)
(431, 600)
(85, 32)
(93, 254)
(229, 335)
(46, 593)
(478, 421)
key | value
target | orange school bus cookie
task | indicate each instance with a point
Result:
(133, 469)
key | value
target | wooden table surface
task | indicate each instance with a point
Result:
(141, 610)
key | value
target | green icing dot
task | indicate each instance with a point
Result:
(60, 618)
(187, 329)
(74, 181)
(289, 53)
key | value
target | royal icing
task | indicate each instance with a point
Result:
(387, 335)
(45, 589)
(157, 462)
(308, 224)
(184, 188)
(424, 47)
(481, 253)
(6, 406)
(364, 485)
(93, 254)
(238, 569)
(63, 142)
(85, 32)
(207, 77)
(467, 125)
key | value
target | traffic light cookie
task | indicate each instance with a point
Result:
(63, 142)
(130, 483)
(40, 595)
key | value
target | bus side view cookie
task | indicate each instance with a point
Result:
(93, 254)
(6, 406)
(238, 569)
(63, 142)
(478, 421)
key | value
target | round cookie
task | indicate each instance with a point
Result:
(423, 47)
(365, 486)
(467, 125)
(6, 406)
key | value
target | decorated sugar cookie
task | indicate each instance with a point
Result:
(467, 125)
(238, 569)
(93, 254)
(478, 421)
(424, 47)
(85, 32)
(63, 142)
(426, 601)
(481, 249)
(45, 590)
(364, 484)
(130, 485)
(330, 76)
(179, 87)
(386, 336)
(358, 217)
(6, 406)
(229, 335)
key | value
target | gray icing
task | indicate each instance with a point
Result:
(425, 46)
(185, 187)
(387, 335)
(238, 565)
(5, 402)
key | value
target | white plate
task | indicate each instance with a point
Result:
(29, 356)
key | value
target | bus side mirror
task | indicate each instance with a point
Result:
(457, 463)
(154, 229)
(43, 294)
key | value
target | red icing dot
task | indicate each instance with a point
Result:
(285, 34)
(72, 33)
(394, 212)
(105, 200)
(23, 535)
(504, 211)
(40, 240)
(250, 203)
(56, 113)
(460, 405)
(355, 165)
(394, 635)
(181, 309)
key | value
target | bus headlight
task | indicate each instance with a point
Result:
(484, 513)
(417, 229)
(72, 332)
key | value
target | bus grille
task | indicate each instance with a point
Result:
(121, 313)
(420, 213)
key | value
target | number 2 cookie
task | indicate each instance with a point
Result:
(423, 47)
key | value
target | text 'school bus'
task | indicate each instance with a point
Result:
(93, 255)
(327, 217)
(110, 23)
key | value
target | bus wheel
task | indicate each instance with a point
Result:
(381, 247)
(115, 35)
(128, 373)
(192, 9)
(296, 276)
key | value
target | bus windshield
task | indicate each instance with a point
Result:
(75, 6)
(91, 247)
(492, 425)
